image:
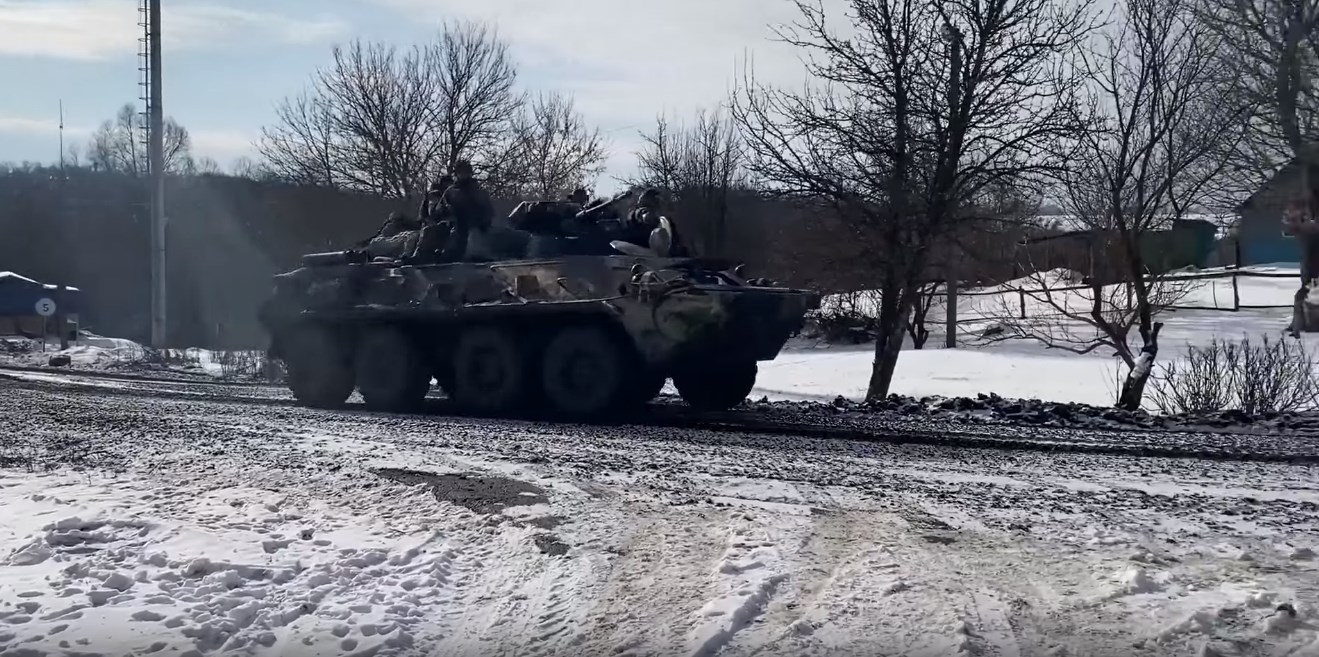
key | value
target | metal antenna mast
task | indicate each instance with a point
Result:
(155, 129)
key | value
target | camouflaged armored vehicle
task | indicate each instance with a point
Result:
(578, 335)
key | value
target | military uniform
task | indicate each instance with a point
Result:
(471, 213)
(432, 203)
(642, 219)
(395, 239)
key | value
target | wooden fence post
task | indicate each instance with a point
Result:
(1021, 300)
(1236, 271)
(950, 315)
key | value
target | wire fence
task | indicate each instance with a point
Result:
(1208, 291)
(1055, 298)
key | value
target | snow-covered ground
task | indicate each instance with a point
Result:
(223, 527)
(105, 565)
(96, 352)
(1023, 368)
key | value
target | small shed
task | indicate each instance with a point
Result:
(30, 308)
(1260, 227)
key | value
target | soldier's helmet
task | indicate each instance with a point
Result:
(579, 196)
(649, 198)
(462, 168)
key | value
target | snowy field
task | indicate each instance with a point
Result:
(1021, 368)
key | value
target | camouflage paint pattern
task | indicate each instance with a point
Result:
(671, 308)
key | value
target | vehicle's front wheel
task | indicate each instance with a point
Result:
(717, 387)
(489, 371)
(318, 365)
(392, 374)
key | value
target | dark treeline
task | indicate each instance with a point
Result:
(228, 235)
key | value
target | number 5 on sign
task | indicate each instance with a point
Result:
(45, 307)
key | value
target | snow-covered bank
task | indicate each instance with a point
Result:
(98, 353)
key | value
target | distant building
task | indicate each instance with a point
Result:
(1260, 227)
(1185, 242)
(21, 305)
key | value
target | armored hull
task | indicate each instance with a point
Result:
(577, 335)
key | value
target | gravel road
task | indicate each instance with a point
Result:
(138, 424)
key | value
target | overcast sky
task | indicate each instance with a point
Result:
(227, 62)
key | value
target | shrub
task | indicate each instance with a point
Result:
(1253, 377)
(848, 317)
(240, 363)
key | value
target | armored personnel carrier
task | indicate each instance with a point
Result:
(577, 335)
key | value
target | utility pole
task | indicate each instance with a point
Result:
(156, 166)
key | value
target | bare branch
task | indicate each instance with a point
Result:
(701, 165)
(550, 151)
(388, 122)
(120, 145)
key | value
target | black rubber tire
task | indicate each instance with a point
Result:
(586, 370)
(489, 372)
(319, 369)
(717, 387)
(392, 373)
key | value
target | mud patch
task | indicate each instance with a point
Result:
(551, 545)
(479, 493)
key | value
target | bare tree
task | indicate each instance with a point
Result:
(476, 97)
(928, 103)
(701, 165)
(246, 167)
(1272, 49)
(388, 122)
(120, 145)
(917, 328)
(1148, 157)
(303, 147)
(550, 151)
(206, 166)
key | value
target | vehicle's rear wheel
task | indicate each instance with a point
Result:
(586, 370)
(489, 371)
(319, 366)
(718, 386)
(392, 373)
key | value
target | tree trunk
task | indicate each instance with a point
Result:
(1133, 388)
(916, 327)
(894, 309)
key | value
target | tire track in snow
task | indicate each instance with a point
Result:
(746, 578)
(655, 582)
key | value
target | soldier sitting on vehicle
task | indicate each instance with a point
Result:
(395, 238)
(471, 213)
(642, 221)
(580, 197)
(430, 204)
